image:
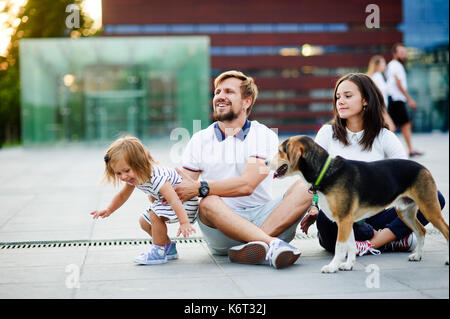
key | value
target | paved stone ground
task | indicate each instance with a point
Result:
(52, 248)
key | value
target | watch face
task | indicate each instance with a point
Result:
(204, 190)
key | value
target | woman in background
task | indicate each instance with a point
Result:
(377, 65)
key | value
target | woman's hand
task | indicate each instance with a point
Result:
(309, 219)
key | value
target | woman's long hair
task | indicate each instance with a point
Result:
(373, 121)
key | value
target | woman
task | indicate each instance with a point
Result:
(358, 132)
(377, 65)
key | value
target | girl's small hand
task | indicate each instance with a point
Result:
(186, 229)
(100, 213)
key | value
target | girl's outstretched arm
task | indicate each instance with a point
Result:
(116, 202)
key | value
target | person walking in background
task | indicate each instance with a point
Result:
(377, 66)
(398, 96)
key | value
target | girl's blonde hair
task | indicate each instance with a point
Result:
(134, 153)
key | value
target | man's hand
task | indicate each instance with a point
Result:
(188, 188)
(410, 101)
(412, 104)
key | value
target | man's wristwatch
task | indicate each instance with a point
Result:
(204, 189)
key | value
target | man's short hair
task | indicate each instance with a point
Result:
(248, 86)
(395, 46)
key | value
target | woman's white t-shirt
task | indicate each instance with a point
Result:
(379, 80)
(386, 145)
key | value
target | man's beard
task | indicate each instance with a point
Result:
(402, 61)
(226, 117)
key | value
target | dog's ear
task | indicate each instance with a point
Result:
(294, 150)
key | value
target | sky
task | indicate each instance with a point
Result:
(425, 23)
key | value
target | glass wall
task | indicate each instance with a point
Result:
(425, 29)
(427, 74)
(96, 89)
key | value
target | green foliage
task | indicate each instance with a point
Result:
(9, 104)
(39, 19)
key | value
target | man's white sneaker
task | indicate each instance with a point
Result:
(281, 254)
(252, 253)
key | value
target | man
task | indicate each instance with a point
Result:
(398, 95)
(236, 206)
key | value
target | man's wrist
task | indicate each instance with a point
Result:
(203, 189)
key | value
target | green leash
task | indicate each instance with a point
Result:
(315, 200)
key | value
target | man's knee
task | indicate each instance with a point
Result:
(206, 209)
(208, 201)
(299, 193)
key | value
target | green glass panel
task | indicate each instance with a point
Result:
(96, 89)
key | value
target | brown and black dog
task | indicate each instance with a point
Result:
(353, 190)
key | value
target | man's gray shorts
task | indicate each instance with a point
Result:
(219, 244)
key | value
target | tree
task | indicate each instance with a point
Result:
(38, 19)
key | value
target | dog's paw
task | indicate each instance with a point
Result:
(346, 266)
(415, 257)
(327, 269)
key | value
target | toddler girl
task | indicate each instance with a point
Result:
(127, 160)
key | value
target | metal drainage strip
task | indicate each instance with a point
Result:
(80, 243)
(109, 242)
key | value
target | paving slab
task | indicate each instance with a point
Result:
(51, 248)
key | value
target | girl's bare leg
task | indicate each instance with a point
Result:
(158, 230)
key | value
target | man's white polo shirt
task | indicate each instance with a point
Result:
(217, 156)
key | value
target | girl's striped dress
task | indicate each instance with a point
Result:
(161, 175)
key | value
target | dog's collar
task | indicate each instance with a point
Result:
(325, 166)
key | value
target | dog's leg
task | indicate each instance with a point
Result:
(406, 209)
(351, 252)
(345, 245)
(431, 210)
(424, 193)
